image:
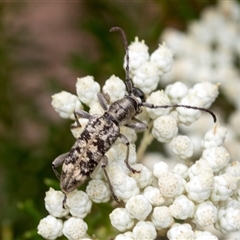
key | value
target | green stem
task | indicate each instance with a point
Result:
(146, 140)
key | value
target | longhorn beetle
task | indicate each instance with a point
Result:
(102, 131)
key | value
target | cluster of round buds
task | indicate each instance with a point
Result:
(197, 59)
(185, 231)
(153, 198)
(65, 104)
(78, 205)
(207, 52)
(145, 69)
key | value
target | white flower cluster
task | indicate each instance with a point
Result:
(146, 70)
(161, 194)
(74, 228)
(210, 51)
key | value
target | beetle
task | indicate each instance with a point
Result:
(102, 131)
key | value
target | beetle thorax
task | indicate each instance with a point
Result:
(125, 109)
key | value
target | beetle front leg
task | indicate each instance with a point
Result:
(104, 100)
(82, 114)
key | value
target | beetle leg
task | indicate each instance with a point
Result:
(127, 143)
(104, 162)
(57, 162)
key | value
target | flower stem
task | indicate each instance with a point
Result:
(146, 140)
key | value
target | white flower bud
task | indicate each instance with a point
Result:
(180, 231)
(158, 98)
(201, 181)
(182, 146)
(138, 55)
(79, 204)
(75, 228)
(224, 186)
(200, 167)
(163, 58)
(181, 169)
(204, 235)
(206, 91)
(65, 104)
(199, 187)
(121, 219)
(98, 191)
(164, 128)
(125, 236)
(54, 203)
(182, 208)
(160, 168)
(214, 137)
(50, 227)
(147, 77)
(87, 89)
(217, 157)
(115, 88)
(153, 195)
(233, 168)
(161, 217)
(228, 216)
(176, 92)
(124, 186)
(138, 207)
(186, 115)
(143, 178)
(205, 214)
(171, 185)
(144, 230)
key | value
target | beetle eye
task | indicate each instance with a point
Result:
(138, 93)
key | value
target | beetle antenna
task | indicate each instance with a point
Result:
(128, 81)
(197, 108)
(183, 106)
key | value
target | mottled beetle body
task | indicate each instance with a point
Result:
(94, 142)
(96, 139)
(102, 131)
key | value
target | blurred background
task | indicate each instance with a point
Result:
(44, 47)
